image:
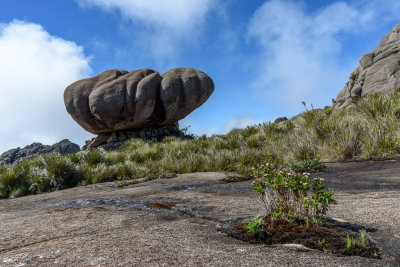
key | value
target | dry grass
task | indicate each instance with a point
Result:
(368, 130)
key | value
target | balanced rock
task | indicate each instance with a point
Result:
(379, 71)
(118, 100)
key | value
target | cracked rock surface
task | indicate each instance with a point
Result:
(178, 222)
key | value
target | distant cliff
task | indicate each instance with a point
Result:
(379, 71)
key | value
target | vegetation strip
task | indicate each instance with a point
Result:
(367, 130)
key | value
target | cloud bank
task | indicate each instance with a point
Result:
(175, 15)
(300, 50)
(165, 23)
(35, 68)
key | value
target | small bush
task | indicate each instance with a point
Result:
(255, 141)
(75, 158)
(61, 170)
(396, 112)
(374, 106)
(360, 241)
(253, 225)
(13, 181)
(94, 157)
(353, 78)
(289, 195)
(302, 147)
(273, 130)
(249, 131)
(232, 140)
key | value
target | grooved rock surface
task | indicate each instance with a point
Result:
(17, 154)
(180, 222)
(119, 100)
(379, 71)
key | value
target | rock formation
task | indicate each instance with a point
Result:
(379, 71)
(117, 100)
(280, 119)
(17, 154)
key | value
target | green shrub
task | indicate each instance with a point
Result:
(289, 195)
(349, 241)
(94, 157)
(75, 158)
(360, 241)
(353, 78)
(347, 139)
(253, 225)
(396, 112)
(249, 131)
(374, 106)
(255, 141)
(13, 180)
(363, 242)
(115, 157)
(273, 131)
(8, 182)
(302, 146)
(233, 140)
(61, 170)
(40, 180)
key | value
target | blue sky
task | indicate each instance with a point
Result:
(265, 57)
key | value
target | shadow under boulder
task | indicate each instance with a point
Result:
(114, 140)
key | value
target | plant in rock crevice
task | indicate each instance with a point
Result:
(289, 195)
(361, 241)
(253, 225)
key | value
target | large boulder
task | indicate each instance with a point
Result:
(18, 154)
(379, 71)
(118, 100)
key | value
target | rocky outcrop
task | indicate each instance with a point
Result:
(379, 71)
(280, 119)
(117, 100)
(17, 154)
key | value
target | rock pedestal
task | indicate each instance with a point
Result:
(114, 140)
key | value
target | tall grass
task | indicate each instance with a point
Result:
(367, 130)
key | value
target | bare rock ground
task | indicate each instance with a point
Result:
(178, 221)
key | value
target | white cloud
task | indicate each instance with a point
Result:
(166, 23)
(193, 128)
(240, 121)
(176, 15)
(35, 68)
(300, 50)
(234, 122)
